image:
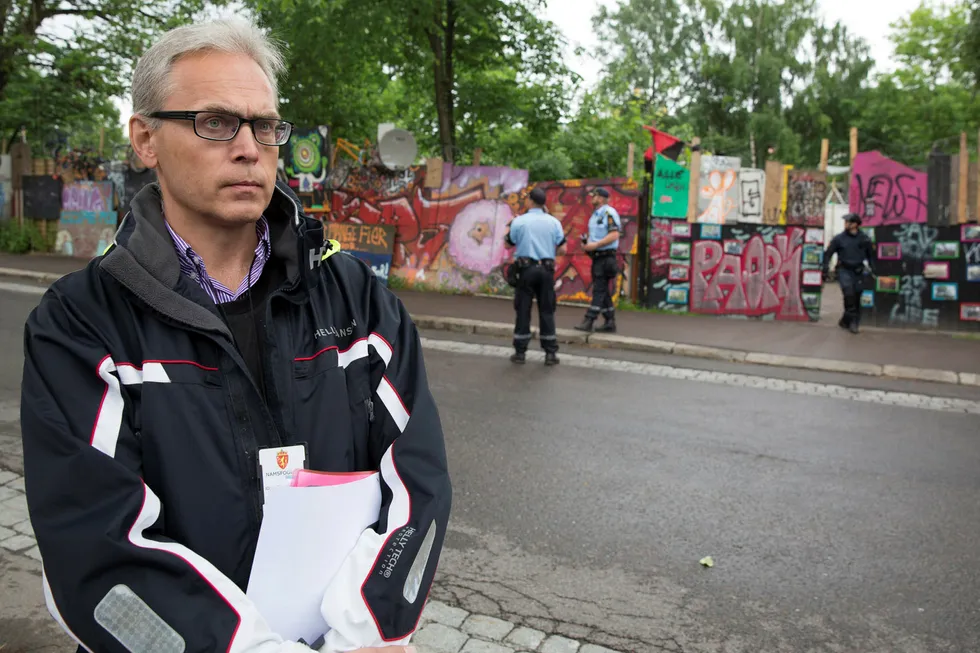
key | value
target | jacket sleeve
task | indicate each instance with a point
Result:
(377, 597)
(869, 254)
(111, 578)
(831, 250)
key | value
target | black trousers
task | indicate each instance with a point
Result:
(604, 273)
(851, 285)
(536, 282)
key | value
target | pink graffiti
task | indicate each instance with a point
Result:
(764, 279)
(886, 192)
(476, 238)
(87, 196)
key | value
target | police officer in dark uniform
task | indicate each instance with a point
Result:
(853, 248)
(538, 237)
(602, 243)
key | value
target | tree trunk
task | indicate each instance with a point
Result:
(444, 82)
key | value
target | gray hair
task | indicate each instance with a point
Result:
(151, 78)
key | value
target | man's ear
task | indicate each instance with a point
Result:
(141, 138)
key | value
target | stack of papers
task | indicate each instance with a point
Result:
(307, 532)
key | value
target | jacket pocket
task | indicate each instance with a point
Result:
(323, 413)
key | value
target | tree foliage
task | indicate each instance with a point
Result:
(62, 61)
(460, 74)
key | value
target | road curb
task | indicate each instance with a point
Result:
(47, 277)
(611, 341)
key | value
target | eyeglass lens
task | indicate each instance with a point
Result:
(223, 127)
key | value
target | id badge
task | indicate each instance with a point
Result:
(277, 464)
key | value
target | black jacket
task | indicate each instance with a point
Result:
(852, 251)
(141, 424)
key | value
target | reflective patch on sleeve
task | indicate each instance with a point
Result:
(128, 618)
(333, 246)
(414, 581)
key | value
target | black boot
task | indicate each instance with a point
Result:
(551, 358)
(843, 323)
(608, 327)
(854, 327)
(518, 357)
(586, 325)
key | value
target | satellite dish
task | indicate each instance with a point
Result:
(397, 149)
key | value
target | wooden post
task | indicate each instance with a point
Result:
(44, 229)
(824, 154)
(629, 161)
(964, 180)
(976, 215)
(854, 143)
(477, 153)
(694, 190)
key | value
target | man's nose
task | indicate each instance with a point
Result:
(244, 144)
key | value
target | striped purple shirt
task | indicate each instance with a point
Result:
(193, 265)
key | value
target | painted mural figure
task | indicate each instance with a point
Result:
(173, 384)
(538, 239)
(853, 248)
(601, 243)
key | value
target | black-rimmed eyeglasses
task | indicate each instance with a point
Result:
(215, 126)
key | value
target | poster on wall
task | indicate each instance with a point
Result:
(372, 243)
(670, 189)
(88, 219)
(305, 162)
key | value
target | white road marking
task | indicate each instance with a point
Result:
(23, 289)
(886, 397)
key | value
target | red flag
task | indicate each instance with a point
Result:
(663, 144)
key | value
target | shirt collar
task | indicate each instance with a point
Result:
(193, 266)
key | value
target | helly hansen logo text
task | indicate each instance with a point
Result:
(336, 331)
(395, 549)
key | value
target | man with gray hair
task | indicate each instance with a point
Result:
(217, 346)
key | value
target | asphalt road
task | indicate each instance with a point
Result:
(586, 497)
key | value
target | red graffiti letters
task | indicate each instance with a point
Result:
(763, 279)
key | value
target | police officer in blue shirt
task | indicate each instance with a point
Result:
(601, 244)
(538, 237)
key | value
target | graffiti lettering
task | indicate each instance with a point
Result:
(916, 240)
(972, 253)
(750, 192)
(87, 196)
(886, 192)
(805, 198)
(764, 279)
(909, 308)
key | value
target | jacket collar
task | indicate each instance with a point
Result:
(143, 259)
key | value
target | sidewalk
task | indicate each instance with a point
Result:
(754, 338)
(878, 352)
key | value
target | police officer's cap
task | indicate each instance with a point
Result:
(852, 217)
(538, 197)
(601, 192)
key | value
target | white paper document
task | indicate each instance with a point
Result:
(306, 534)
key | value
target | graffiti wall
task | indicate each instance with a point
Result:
(718, 196)
(886, 192)
(751, 193)
(768, 272)
(449, 232)
(88, 219)
(928, 277)
(806, 198)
